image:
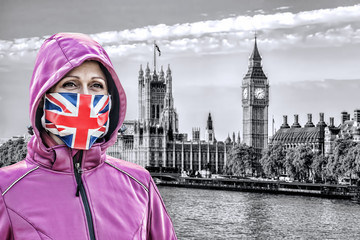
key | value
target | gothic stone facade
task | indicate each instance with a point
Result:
(154, 139)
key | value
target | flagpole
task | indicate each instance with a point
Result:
(154, 56)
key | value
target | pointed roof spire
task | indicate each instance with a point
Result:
(209, 124)
(141, 72)
(255, 68)
(147, 70)
(161, 74)
(228, 139)
(161, 71)
(168, 71)
(255, 54)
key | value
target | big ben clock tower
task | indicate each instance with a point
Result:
(255, 103)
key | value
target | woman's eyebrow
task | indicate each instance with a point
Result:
(98, 78)
(71, 76)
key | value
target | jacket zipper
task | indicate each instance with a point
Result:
(80, 189)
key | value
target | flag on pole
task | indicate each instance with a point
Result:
(158, 49)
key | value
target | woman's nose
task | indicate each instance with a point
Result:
(84, 90)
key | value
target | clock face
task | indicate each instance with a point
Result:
(259, 93)
(245, 93)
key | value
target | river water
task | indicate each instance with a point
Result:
(215, 214)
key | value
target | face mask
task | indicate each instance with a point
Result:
(77, 119)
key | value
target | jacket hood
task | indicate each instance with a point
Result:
(58, 55)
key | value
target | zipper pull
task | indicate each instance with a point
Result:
(79, 171)
(77, 166)
(78, 190)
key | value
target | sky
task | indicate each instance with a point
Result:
(310, 51)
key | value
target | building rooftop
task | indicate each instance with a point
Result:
(297, 135)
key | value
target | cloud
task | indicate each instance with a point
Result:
(316, 28)
(282, 8)
(259, 11)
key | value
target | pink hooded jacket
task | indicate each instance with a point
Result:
(116, 199)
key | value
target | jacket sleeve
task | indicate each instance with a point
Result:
(160, 226)
(5, 225)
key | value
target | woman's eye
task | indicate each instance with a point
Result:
(98, 85)
(69, 85)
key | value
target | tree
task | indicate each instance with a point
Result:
(303, 159)
(357, 159)
(273, 160)
(289, 163)
(340, 163)
(12, 151)
(333, 167)
(318, 167)
(350, 162)
(241, 160)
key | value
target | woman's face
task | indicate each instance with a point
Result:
(88, 78)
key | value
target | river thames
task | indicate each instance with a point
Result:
(215, 214)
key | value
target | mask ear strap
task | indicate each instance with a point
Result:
(43, 116)
(108, 120)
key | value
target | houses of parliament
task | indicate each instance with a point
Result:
(154, 139)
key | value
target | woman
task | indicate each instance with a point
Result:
(67, 188)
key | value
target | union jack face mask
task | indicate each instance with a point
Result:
(77, 119)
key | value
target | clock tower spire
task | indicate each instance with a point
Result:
(255, 103)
